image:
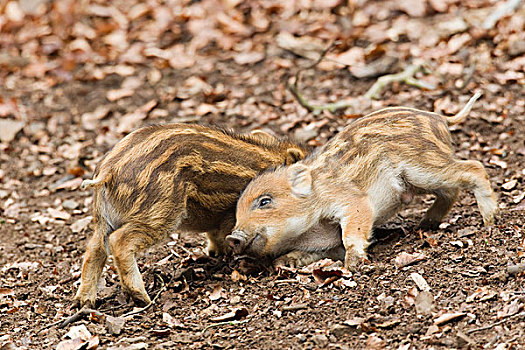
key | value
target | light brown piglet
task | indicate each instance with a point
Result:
(160, 179)
(359, 179)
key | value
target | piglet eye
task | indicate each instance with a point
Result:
(264, 202)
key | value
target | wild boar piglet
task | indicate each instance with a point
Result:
(160, 179)
(359, 179)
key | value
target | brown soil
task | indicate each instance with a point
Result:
(40, 260)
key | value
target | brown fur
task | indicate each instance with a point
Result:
(359, 179)
(159, 179)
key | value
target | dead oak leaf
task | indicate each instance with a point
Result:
(405, 259)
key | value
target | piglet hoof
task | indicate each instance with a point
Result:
(141, 300)
(428, 225)
(490, 220)
(287, 260)
(353, 261)
(81, 300)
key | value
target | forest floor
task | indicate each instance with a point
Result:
(78, 76)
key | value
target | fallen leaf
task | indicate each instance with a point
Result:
(114, 325)
(509, 185)
(171, 321)
(217, 293)
(421, 283)
(237, 276)
(424, 303)
(9, 128)
(353, 322)
(117, 94)
(81, 224)
(405, 259)
(71, 184)
(248, 57)
(448, 317)
(71, 344)
(80, 331)
(59, 214)
(305, 46)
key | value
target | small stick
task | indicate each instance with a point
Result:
(285, 281)
(332, 107)
(295, 307)
(406, 76)
(86, 311)
(162, 289)
(79, 315)
(495, 323)
(225, 323)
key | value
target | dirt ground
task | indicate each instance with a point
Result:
(73, 105)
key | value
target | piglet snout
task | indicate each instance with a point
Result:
(236, 241)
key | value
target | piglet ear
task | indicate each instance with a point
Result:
(293, 155)
(264, 136)
(300, 180)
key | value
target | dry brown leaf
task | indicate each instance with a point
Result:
(58, 214)
(217, 293)
(171, 321)
(114, 325)
(421, 283)
(81, 224)
(9, 128)
(304, 46)
(248, 57)
(448, 317)
(404, 259)
(424, 303)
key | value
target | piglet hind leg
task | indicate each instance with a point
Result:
(459, 174)
(471, 175)
(94, 261)
(357, 230)
(444, 201)
(125, 244)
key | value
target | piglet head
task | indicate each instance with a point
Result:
(272, 211)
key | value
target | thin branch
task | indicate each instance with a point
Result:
(162, 289)
(73, 318)
(406, 76)
(225, 323)
(332, 107)
(87, 311)
(495, 323)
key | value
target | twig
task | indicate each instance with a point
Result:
(406, 76)
(332, 107)
(495, 323)
(86, 311)
(225, 323)
(295, 307)
(507, 8)
(79, 315)
(142, 309)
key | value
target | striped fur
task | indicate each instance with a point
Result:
(359, 179)
(159, 179)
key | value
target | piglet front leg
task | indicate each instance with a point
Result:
(357, 226)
